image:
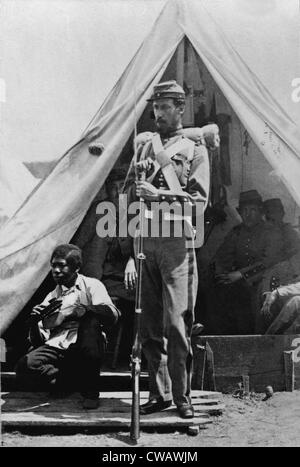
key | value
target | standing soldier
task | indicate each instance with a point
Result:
(177, 171)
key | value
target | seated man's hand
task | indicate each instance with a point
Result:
(37, 310)
(146, 190)
(36, 313)
(270, 298)
(229, 278)
(130, 275)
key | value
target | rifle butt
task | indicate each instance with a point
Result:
(135, 406)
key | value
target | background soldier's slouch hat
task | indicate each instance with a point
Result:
(167, 90)
(273, 204)
(249, 197)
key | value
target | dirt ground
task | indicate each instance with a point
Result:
(245, 422)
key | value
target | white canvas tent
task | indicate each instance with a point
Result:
(16, 182)
(56, 207)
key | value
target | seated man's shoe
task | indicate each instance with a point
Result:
(185, 410)
(154, 405)
(90, 404)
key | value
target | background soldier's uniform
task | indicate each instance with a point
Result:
(251, 251)
(169, 286)
(288, 269)
(290, 241)
(290, 238)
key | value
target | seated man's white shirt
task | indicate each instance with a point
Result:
(86, 291)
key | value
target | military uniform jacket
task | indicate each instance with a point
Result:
(290, 241)
(250, 251)
(288, 269)
(198, 184)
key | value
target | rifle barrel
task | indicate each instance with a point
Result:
(137, 348)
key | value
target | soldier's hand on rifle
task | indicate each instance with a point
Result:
(229, 278)
(146, 190)
(270, 298)
(147, 165)
(130, 275)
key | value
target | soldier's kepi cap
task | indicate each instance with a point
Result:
(249, 197)
(273, 204)
(167, 90)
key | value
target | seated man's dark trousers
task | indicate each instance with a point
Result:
(76, 368)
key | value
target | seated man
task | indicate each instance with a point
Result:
(246, 252)
(67, 335)
(287, 298)
(285, 272)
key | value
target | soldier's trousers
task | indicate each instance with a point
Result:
(169, 287)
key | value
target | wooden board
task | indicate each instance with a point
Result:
(13, 403)
(289, 370)
(259, 357)
(2, 351)
(92, 419)
(196, 394)
(37, 409)
(107, 381)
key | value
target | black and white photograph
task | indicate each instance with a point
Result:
(149, 226)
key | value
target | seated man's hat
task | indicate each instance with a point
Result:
(167, 90)
(273, 204)
(250, 197)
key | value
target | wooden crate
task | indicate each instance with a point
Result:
(259, 357)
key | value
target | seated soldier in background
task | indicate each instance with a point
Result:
(286, 272)
(247, 251)
(95, 248)
(290, 239)
(119, 278)
(119, 271)
(120, 255)
(68, 344)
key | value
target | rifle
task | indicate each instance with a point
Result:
(54, 304)
(35, 337)
(137, 347)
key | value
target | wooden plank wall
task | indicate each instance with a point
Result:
(259, 357)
